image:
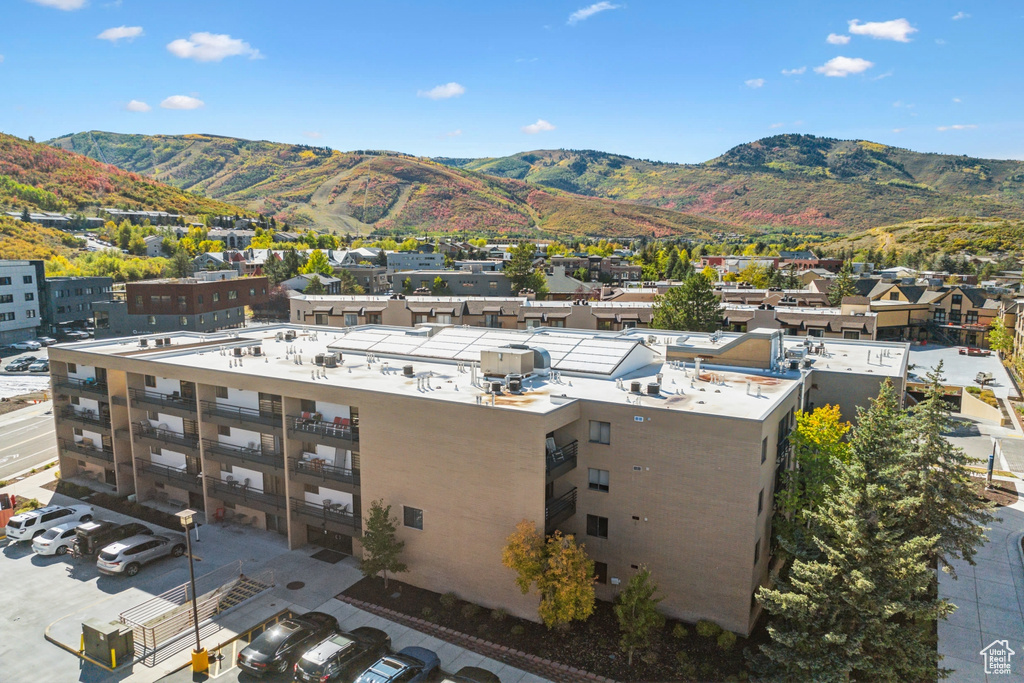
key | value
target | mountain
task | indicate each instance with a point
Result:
(39, 177)
(933, 235)
(784, 180)
(365, 191)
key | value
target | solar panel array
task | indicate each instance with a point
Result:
(569, 352)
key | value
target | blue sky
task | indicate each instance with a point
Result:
(675, 80)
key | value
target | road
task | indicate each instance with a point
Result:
(27, 439)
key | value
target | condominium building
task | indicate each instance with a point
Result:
(653, 448)
(20, 304)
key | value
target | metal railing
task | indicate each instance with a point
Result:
(89, 417)
(156, 398)
(324, 471)
(87, 385)
(89, 451)
(240, 492)
(299, 425)
(240, 414)
(174, 475)
(146, 430)
(563, 458)
(561, 508)
(256, 454)
(337, 514)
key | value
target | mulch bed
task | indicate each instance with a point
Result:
(9, 405)
(115, 503)
(1002, 493)
(592, 646)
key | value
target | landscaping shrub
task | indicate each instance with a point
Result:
(726, 640)
(26, 504)
(448, 600)
(499, 614)
(517, 630)
(469, 610)
(679, 631)
(707, 629)
(649, 657)
(427, 612)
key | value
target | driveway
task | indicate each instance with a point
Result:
(959, 370)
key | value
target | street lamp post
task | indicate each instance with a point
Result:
(200, 657)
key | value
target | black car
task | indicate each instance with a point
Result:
(342, 656)
(20, 364)
(471, 674)
(277, 648)
(91, 537)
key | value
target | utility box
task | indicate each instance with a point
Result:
(110, 643)
(506, 361)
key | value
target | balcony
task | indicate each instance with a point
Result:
(561, 460)
(559, 509)
(337, 433)
(159, 437)
(171, 475)
(334, 517)
(242, 494)
(173, 403)
(84, 448)
(80, 387)
(89, 419)
(244, 456)
(237, 416)
(316, 472)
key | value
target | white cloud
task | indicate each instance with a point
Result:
(901, 104)
(836, 39)
(754, 82)
(881, 76)
(961, 15)
(844, 66)
(66, 5)
(442, 92)
(777, 125)
(1, 59)
(538, 127)
(312, 134)
(211, 47)
(523, 60)
(957, 100)
(794, 72)
(453, 133)
(182, 102)
(897, 29)
(137, 105)
(898, 130)
(587, 12)
(958, 126)
(121, 33)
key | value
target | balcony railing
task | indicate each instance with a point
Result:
(325, 472)
(173, 475)
(335, 514)
(559, 509)
(146, 430)
(87, 417)
(255, 454)
(298, 426)
(562, 460)
(156, 398)
(82, 448)
(240, 492)
(240, 414)
(89, 386)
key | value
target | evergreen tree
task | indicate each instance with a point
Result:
(637, 611)
(520, 271)
(691, 306)
(180, 265)
(349, 284)
(941, 499)
(315, 286)
(842, 285)
(25, 215)
(381, 548)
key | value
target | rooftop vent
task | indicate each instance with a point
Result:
(257, 350)
(407, 371)
(237, 351)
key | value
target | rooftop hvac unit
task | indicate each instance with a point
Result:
(143, 343)
(635, 387)
(257, 350)
(330, 360)
(515, 383)
(237, 351)
(495, 387)
(167, 341)
(651, 339)
(280, 335)
(653, 388)
(407, 371)
(318, 359)
(289, 335)
(159, 342)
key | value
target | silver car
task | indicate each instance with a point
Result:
(128, 556)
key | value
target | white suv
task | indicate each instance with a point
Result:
(28, 525)
(55, 540)
(127, 556)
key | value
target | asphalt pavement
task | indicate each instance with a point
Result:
(27, 439)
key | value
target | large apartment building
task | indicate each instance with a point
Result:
(20, 304)
(652, 447)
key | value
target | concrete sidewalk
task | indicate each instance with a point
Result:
(990, 602)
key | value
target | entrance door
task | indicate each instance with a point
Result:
(328, 539)
(195, 500)
(110, 477)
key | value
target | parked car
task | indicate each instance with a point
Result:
(46, 341)
(27, 345)
(28, 525)
(342, 656)
(20, 364)
(410, 665)
(471, 674)
(55, 540)
(91, 537)
(77, 334)
(41, 365)
(128, 556)
(277, 648)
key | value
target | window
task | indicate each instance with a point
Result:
(138, 299)
(78, 291)
(604, 325)
(153, 415)
(75, 401)
(320, 318)
(183, 320)
(971, 318)
(8, 316)
(419, 318)
(413, 517)
(307, 405)
(760, 502)
(26, 279)
(958, 299)
(5, 280)
(598, 480)
(851, 334)
(202, 320)
(199, 299)
(182, 301)
(30, 313)
(311, 488)
(78, 431)
(150, 381)
(223, 430)
(601, 572)
(220, 392)
(351, 319)
(30, 296)
(493, 284)
(216, 317)
(954, 316)
(491, 320)
(373, 318)
(72, 369)
(7, 299)
(597, 526)
(757, 551)
(894, 296)
(151, 320)
(764, 449)
(232, 294)
(600, 432)
(443, 318)
(216, 296)
(252, 291)
(940, 315)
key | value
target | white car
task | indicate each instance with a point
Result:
(26, 346)
(28, 525)
(56, 540)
